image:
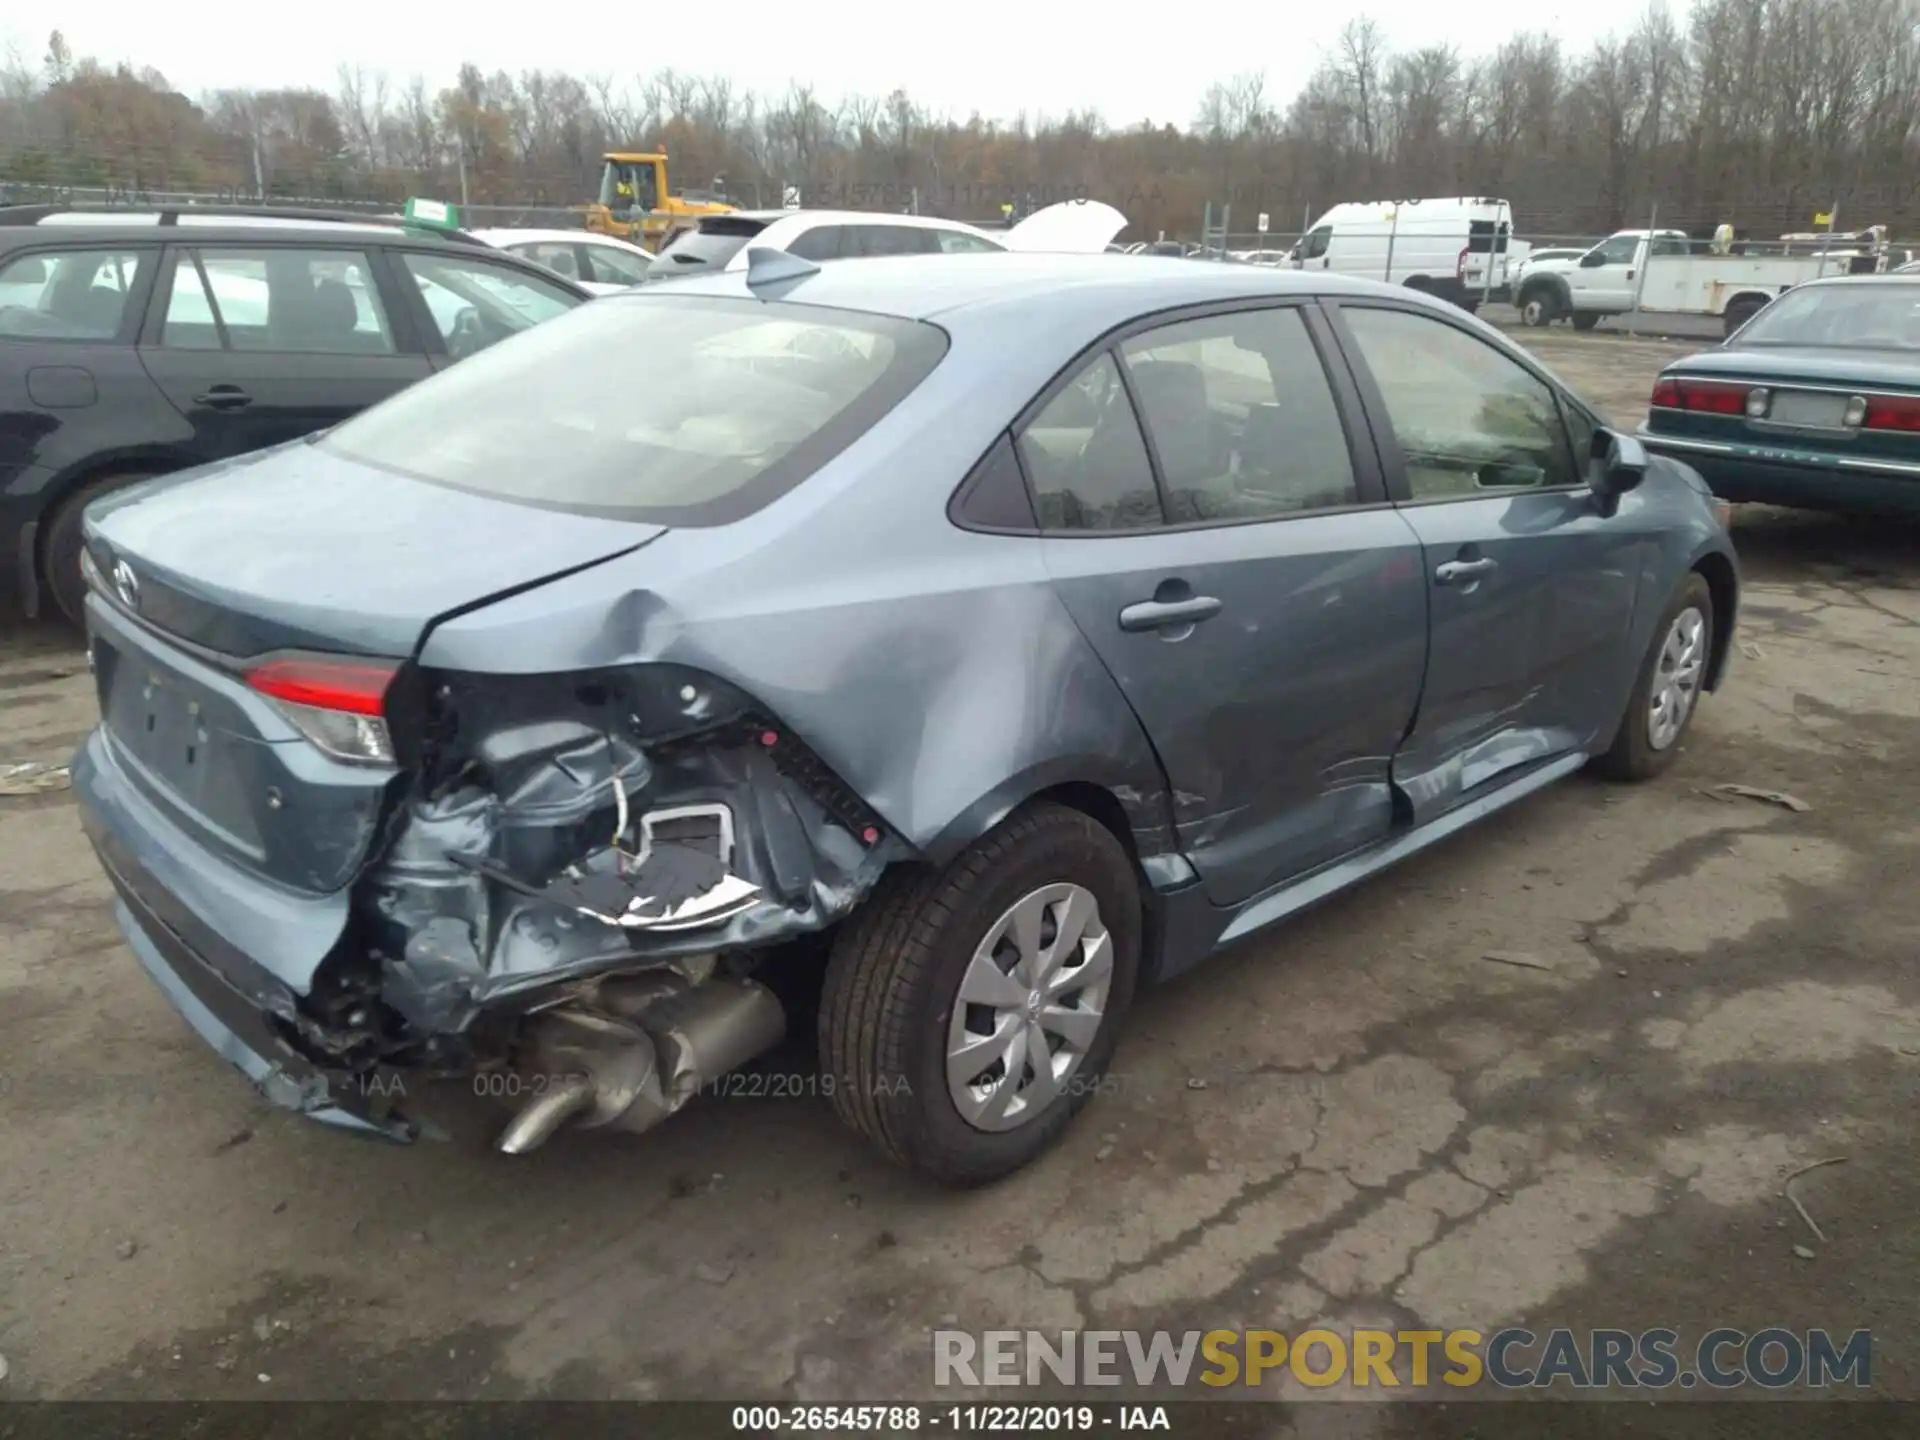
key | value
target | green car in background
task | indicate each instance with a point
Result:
(1813, 403)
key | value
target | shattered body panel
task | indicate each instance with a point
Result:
(511, 877)
(933, 670)
(916, 692)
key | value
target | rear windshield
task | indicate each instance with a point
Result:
(682, 410)
(709, 246)
(1872, 316)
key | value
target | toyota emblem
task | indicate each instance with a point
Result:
(126, 584)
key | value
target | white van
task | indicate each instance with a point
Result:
(1443, 246)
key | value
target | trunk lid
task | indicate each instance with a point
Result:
(1809, 392)
(1805, 365)
(1072, 227)
(299, 547)
(290, 550)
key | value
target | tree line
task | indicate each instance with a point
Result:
(1756, 112)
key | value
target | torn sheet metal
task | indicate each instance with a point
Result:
(674, 888)
(566, 852)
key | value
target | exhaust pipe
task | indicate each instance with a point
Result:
(535, 1125)
(662, 1044)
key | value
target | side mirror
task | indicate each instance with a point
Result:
(1592, 260)
(1616, 464)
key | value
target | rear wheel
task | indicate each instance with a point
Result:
(1584, 320)
(969, 1013)
(60, 550)
(1667, 691)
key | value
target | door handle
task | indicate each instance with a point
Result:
(1454, 571)
(224, 397)
(1165, 614)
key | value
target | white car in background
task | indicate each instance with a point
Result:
(1551, 257)
(721, 242)
(601, 264)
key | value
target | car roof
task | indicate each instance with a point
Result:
(213, 229)
(508, 234)
(1828, 281)
(923, 287)
(843, 217)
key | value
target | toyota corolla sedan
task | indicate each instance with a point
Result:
(989, 636)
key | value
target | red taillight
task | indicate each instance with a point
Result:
(1460, 265)
(352, 687)
(1707, 397)
(340, 705)
(1893, 412)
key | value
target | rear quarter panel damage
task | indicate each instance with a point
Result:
(932, 672)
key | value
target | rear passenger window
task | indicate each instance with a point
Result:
(558, 258)
(893, 240)
(71, 295)
(189, 319)
(822, 242)
(1085, 458)
(1242, 418)
(959, 242)
(612, 266)
(474, 303)
(314, 302)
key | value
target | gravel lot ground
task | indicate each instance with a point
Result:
(1392, 1128)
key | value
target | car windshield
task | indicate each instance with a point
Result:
(680, 410)
(1870, 316)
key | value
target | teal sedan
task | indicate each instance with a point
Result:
(1813, 403)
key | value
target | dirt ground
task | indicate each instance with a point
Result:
(1392, 1127)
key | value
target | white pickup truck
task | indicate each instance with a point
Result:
(1685, 277)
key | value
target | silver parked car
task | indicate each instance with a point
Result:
(983, 637)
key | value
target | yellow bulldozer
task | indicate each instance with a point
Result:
(635, 203)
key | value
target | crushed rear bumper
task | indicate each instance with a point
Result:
(227, 998)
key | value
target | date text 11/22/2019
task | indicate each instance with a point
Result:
(952, 1419)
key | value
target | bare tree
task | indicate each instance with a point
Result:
(1756, 111)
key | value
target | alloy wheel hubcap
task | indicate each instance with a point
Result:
(1676, 678)
(1030, 1006)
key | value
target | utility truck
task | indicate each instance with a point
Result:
(1664, 272)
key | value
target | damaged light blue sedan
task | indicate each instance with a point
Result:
(947, 646)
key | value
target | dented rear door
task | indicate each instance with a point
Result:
(1261, 609)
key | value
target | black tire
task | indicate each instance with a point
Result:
(60, 547)
(1633, 756)
(894, 978)
(1584, 320)
(1738, 313)
(1539, 307)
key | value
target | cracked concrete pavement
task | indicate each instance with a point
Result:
(1357, 1119)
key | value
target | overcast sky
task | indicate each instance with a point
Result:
(1129, 61)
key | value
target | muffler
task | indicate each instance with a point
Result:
(636, 1051)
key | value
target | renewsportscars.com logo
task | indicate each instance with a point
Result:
(1774, 1358)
